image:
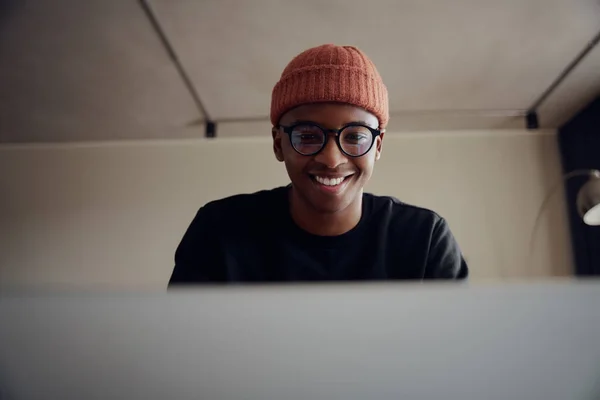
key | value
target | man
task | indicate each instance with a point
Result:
(329, 111)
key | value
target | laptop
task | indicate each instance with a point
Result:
(322, 341)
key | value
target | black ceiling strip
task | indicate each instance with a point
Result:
(586, 50)
(173, 55)
(211, 129)
(531, 120)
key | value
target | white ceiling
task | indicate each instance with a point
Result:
(96, 69)
(86, 70)
(579, 89)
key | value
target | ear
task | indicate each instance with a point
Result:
(277, 149)
(379, 145)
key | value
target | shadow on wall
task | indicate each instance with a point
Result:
(553, 231)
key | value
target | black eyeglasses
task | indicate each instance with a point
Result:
(308, 138)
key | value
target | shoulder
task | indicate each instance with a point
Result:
(422, 227)
(245, 204)
(402, 213)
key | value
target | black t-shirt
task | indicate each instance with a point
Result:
(253, 238)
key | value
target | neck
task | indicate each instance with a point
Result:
(323, 223)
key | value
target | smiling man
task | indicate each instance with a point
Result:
(329, 111)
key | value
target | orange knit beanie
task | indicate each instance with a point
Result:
(331, 73)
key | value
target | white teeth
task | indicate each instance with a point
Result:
(329, 181)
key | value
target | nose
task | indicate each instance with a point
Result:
(331, 156)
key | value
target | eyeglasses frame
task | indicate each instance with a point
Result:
(337, 132)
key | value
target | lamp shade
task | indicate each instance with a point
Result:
(588, 200)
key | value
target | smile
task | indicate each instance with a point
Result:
(331, 184)
(330, 181)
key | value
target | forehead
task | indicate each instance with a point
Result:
(329, 115)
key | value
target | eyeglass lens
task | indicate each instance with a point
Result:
(309, 139)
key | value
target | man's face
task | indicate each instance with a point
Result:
(308, 173)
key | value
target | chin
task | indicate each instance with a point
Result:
(329, 208)
(328, 203)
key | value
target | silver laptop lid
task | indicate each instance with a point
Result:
(380, 341)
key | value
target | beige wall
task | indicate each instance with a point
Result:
(111, 214)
